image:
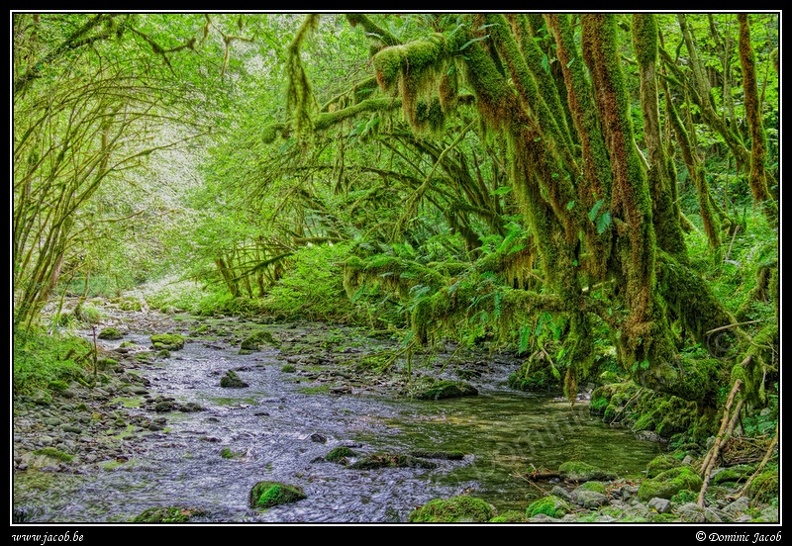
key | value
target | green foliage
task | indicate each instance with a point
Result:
(312, 286)
(41, 359)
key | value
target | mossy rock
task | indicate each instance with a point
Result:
(765, 486)
(340, 454)
(390, 460)
(578, 471)
(445, 389)
(668, 483)
(551, 505)
(535, 379)
(660, 464)
(463, 508)
(55, 454)
(597, 487)
(110, 333)
(228, 453)
(737, 473)
(169, 342)
(170, 514)
(232, 381)
(288, 368)
(257, 340)
(268, 494)
(510, 516)
(684, 497)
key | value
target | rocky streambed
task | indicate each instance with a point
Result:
(364, 430)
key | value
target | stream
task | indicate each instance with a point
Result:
(283, 424)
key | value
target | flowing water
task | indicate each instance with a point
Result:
(269, 426)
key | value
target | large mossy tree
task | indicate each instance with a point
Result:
(582, 114)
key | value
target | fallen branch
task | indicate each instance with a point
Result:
(727, 427)
(761, 466)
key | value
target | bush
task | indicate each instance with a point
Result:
(41, 360)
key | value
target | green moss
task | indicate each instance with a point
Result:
(232, 381)
(110, 333)
(170, 514)
(668, 483)
(737, 473)
(765, 487)
(455, 509)
(510, 516)
(267, 494)
(390, 460)
(579, 471)
(319, 389)
(55, 454)
(170, 342)
(255, 341)
(597, 487)
(597, 405)
(445, 389)
(685, 496)
(228, 453)
(340, 454)
(551, 505)
(288, 368)
(660, 464)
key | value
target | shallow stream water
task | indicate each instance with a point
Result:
(269, 426)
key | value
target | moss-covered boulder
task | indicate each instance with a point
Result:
(660, 464)
(667, 484)
(257, 340)
(168, 514)
(110, 333)
(169, 342)
(765, 486)
(551, 505)
(390, 460)
(267, 494)
(510, 516)
(445, 389)
(232, 381)
(463, 508)
(536, 377)
(578, 471)
(340, 454)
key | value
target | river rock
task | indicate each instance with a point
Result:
(266, 494)
(691, 512)
(462, 508)
(661, 506)
(170, 342)
(232, 381)
(445, 389)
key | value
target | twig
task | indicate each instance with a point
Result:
(719, 328)
(726, 428)
(761, 466)
(734, 235)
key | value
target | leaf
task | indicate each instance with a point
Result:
(570, 205)
(603, 222)
(595, 209)
(570, 62)
(546, 63)
(525, 337)
(473, 41)
(502, 190)
(497, 305)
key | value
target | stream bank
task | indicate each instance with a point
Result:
(158, 430)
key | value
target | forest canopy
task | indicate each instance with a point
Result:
(575, 188)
